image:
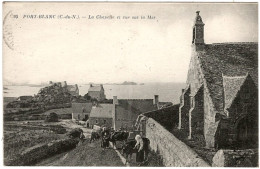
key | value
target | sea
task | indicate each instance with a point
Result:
(168, 92)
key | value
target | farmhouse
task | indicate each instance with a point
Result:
(122, 113)
(127, 110)
(97, 92)
(101, 115)
(81, 111)
(73, 89)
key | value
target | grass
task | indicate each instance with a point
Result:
(18, 138)
(90, 154)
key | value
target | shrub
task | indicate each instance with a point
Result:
(53, 117)
(75, 133)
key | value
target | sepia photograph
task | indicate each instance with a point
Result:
(130, 84)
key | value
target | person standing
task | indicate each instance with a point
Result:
(140, 149)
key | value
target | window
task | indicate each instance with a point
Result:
(191, 101)
(105, 121)
(96, 121)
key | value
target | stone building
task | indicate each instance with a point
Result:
(126, 111)
(220, 101)
(23, 98)
(101, 115)
(97, 92)
(81, 111)
(122, 113)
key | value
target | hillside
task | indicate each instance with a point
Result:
(86, 154)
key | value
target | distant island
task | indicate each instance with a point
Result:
(128, 83)
(124, 83)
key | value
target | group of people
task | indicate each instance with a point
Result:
(139, 146)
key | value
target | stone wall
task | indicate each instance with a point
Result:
(174, 152)
(238, 158)
(36, 153)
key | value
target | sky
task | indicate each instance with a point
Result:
(114, 50)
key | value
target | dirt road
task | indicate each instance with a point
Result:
(86, 154)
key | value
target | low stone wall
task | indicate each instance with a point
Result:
(174, 152)
(238, 158)
(36, 153)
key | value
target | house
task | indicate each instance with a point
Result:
(122, 113)
(23, 98)
(97, 92)
(220, 101)
(73, 89)
(81, 111)
(101, 115)
(127, 111)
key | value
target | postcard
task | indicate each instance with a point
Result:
(150, 84)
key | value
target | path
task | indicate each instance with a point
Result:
(86, 154)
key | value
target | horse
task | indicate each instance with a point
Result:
(118, 136)
(128, 149)
(94, 136)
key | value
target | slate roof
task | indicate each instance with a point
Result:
(95, 88)
(168, 117)
(78, 107)
(59, 111)
(231, 59)
(231, 87)
(164, 104)
(138, 105)
(102, 111)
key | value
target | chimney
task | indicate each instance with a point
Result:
(182, 90)
(65, 83)
(156, 99)
(91, 85)
(198, 33)
(50, 82)
(115, 101)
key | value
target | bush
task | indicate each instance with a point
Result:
(53, 117)
(75, 133)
